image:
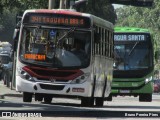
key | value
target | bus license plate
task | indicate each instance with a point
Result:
(124, 91)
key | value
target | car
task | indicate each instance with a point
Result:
(157, 86)
(5, 58)
(5, 66)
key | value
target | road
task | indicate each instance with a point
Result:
(11, 101)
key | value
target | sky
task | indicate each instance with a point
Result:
(117, 6)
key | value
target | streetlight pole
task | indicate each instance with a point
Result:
(51, 4)
(62, 4)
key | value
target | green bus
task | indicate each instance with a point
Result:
(134, 63)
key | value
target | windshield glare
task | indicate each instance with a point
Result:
(133, 56)
(55, 47)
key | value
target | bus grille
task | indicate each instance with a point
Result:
(56, 81)
(52, 87)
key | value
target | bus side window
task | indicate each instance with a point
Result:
(96, 37)
(96, 40)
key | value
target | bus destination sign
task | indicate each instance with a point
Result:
(129, 37)
(57, 20)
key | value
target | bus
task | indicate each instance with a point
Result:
(134, 63)
(45, 65)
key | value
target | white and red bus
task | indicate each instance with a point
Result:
(46, 65)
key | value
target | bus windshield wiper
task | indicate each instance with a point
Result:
(133, 48)
(71, 30)
(36, 31)
(54, 57)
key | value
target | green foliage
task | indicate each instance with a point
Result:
(142, 17)
(7, 25)
(8, 11)
(101, 8)
(23, 4)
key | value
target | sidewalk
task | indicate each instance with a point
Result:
(7, 92)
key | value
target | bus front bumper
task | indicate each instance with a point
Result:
(144, 88)
(23, 85)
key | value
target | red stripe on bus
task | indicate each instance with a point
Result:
(31, 71)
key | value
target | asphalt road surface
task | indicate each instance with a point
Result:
(68, 109)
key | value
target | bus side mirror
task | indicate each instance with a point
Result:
(16, 34)
(15, 38)
(96, 37)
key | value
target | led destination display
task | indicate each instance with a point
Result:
(128, 37)
(57, 20)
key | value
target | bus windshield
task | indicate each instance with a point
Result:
(133, 56)
(55, 47)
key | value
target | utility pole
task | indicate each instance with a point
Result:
(62, 4)
(51, 4)
(72, 2)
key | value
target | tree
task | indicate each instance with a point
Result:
(23, 4)
(7, 25)
(9, 9)
(102, 8)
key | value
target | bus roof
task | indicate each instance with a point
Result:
(60, 11)
(102, 22)
(130, 29)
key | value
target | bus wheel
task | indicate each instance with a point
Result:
(145, 98)
(99, 101)
(38, 97)
(109, 98)
(27, 97)
(47, 99)
(87, 101)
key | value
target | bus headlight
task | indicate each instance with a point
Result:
(23, 74)
(81, 79)
(147, 80)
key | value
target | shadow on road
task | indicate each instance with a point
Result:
(55, 110)
(69, 109)
(12, 95)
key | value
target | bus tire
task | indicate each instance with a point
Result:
(27, 97)
(38, 97)
(99, 101)
(109, 98)
(87, 101)
(145, 97)
(47, 99)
